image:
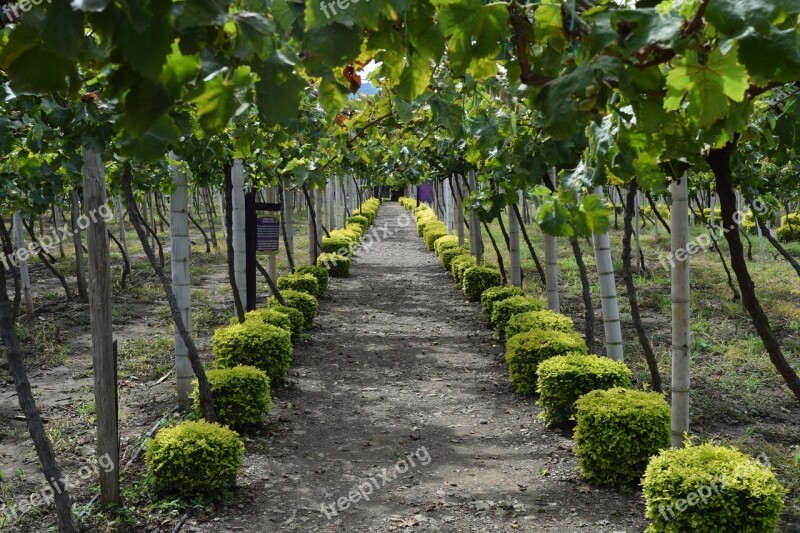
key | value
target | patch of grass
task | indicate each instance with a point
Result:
(146, 358)
(42, 343)
(785, 461)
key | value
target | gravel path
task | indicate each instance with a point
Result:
(401, 390)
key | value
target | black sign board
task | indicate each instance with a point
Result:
(262, 234)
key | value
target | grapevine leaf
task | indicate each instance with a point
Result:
(774, 56)
(331, 97)
(475, 31)
(415, 78)
(280, 90)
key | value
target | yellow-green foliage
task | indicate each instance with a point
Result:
(360, 220)
(433, 232)
(194, 458)
(749, 223)
(319, 273)
(544, 319)
(565, 378)
(448, 255)
(459, 265)
(479, 278)
(305, 303)
(503, 310)
(618, 431)
(338, 266)
(525, 351)
(241, 396)
(496, 294)
(348, 235)
(267, 316)
(789, 229)
(717, 213)
(295, 316)
(337, 245)
(709, 488)
(306, 283)
(409, 203)
(357, 229)
(445, 243)
(254, 343)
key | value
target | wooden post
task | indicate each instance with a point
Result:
(239, 244)
(272, 260)
(551, 262)
(105, 382)
(181, 280)
(22, 254)
(636, 230)
(513, 246)
(312, 233)
(608, 292)
(681, 304)
(58, 222)
(78, 244)
(122, 234)
(329, 211)
(288, 216)
(459, 209)
(448, 206)
(475, 240)
(221, 203)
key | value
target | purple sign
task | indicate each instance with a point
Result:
(268, 230)
(425, 192)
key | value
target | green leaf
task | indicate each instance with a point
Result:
(548, 25)
(39, 70)
(644, 28)
(203, 13)
(332, 97)
(146, 51)
(446, 114)
(415, 78)
(554, 219)
(774, 56)
(332, 46)
(153, 144)
(707, 86)
(63, 29)
(221, 99)
(179, 70)
(475, 31)
(145, 104)
(254, 36)
(733, 16)
(279, 91)
(594, 215)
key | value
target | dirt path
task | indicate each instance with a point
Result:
(401, 373)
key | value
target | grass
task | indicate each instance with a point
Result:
(146, 358)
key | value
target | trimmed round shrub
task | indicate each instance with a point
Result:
(357, 229)
(424, 220)
(241, 396)
(496, 294)
(319, 273)
(336, 245)
(294, 316)
(193, 458)
(267, 316)
(618, 431)
(479, 278)
(565, 378)
(545, 319)
(360, 220)
(254, 343)
(460, 264)
(449, 254)
(338, 266)
(710, 488)
(445, 243)
(352, 237)
(303, 302)
(503, 310)
(433, 232)
(306, 283)
(525, 351)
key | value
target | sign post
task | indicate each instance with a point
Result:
(262, 233)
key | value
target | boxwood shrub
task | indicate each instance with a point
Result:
(525, 351)
(617, 433)
(449, 254)
(319, 273)
(351, 236)
(503, 310)
(710, 488)
(544, 319)
(241, 396)
(294, 316)
(479, 278)
(360, 220)
(433, 232)
(267, 316)
(336, 245)
(496, 294)
(460, 264)
(445, 243)
(194, 458)
(565, 378)
(338, 266)
(305, 303)
(253, 343)
(306, 283)
(357, 229)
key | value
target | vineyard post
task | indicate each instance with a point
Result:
(459, 210)
(105, 372)
(475, 242)
(637, 229)
(513, 246)
(330, 212)
(58, 222)
(181, 280)
(551, 261)
(239, 248)
(19, 238)
(448, 205)
(78, 244)
(608, 292)
(681, 304)
(272, 259)
(288, 216)
(120, 216)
